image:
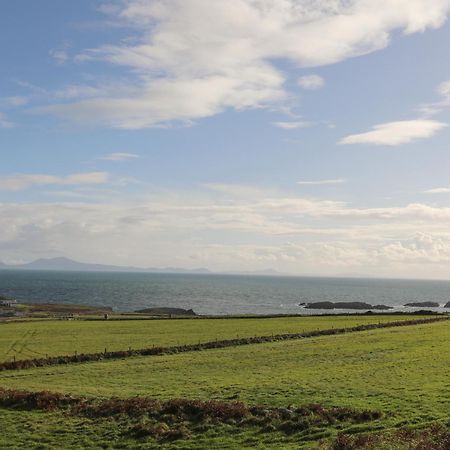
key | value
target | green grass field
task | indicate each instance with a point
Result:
(33, 339)
(401, 371)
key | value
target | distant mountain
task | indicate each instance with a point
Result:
(62, 264)
(66, 264)
(267, 272)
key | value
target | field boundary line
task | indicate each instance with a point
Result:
(216, 344)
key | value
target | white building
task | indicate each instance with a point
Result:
(7, 303)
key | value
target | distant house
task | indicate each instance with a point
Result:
(7, 303)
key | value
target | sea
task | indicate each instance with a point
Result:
(212, 294)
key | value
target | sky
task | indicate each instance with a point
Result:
(307, 136)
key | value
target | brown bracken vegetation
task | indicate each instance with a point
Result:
(176, 418)
(435, 437)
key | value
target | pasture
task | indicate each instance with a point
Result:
(38, 338)
(400, 372)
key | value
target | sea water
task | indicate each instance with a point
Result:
(214, 294)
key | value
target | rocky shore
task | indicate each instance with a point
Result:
(345, 305)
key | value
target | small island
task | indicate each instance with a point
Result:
(345, 305)
(157, 311)
(423, 304)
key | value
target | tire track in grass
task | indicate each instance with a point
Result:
(19, 345)
(25, 342)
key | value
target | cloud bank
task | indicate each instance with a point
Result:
(211, 227)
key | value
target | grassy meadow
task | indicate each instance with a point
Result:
(402, 372)
(34, 338)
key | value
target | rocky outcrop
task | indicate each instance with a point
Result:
(167, 312)
(447, 305)
(345, 305)
(382, 307)
(422, 305)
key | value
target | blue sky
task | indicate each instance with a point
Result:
(308, 137)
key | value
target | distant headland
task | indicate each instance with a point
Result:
(66, 264)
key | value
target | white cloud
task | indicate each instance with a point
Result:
(311, 82)
(396, 133)
(294, 125)
(165, 100)
(443, 91)
(4, 122)
(422, 248)
(119, 156)
(320, 182)
(85, 178)
(60, 54)
(77, 91)
(18, 182)
(221, 52)
(440, 190)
